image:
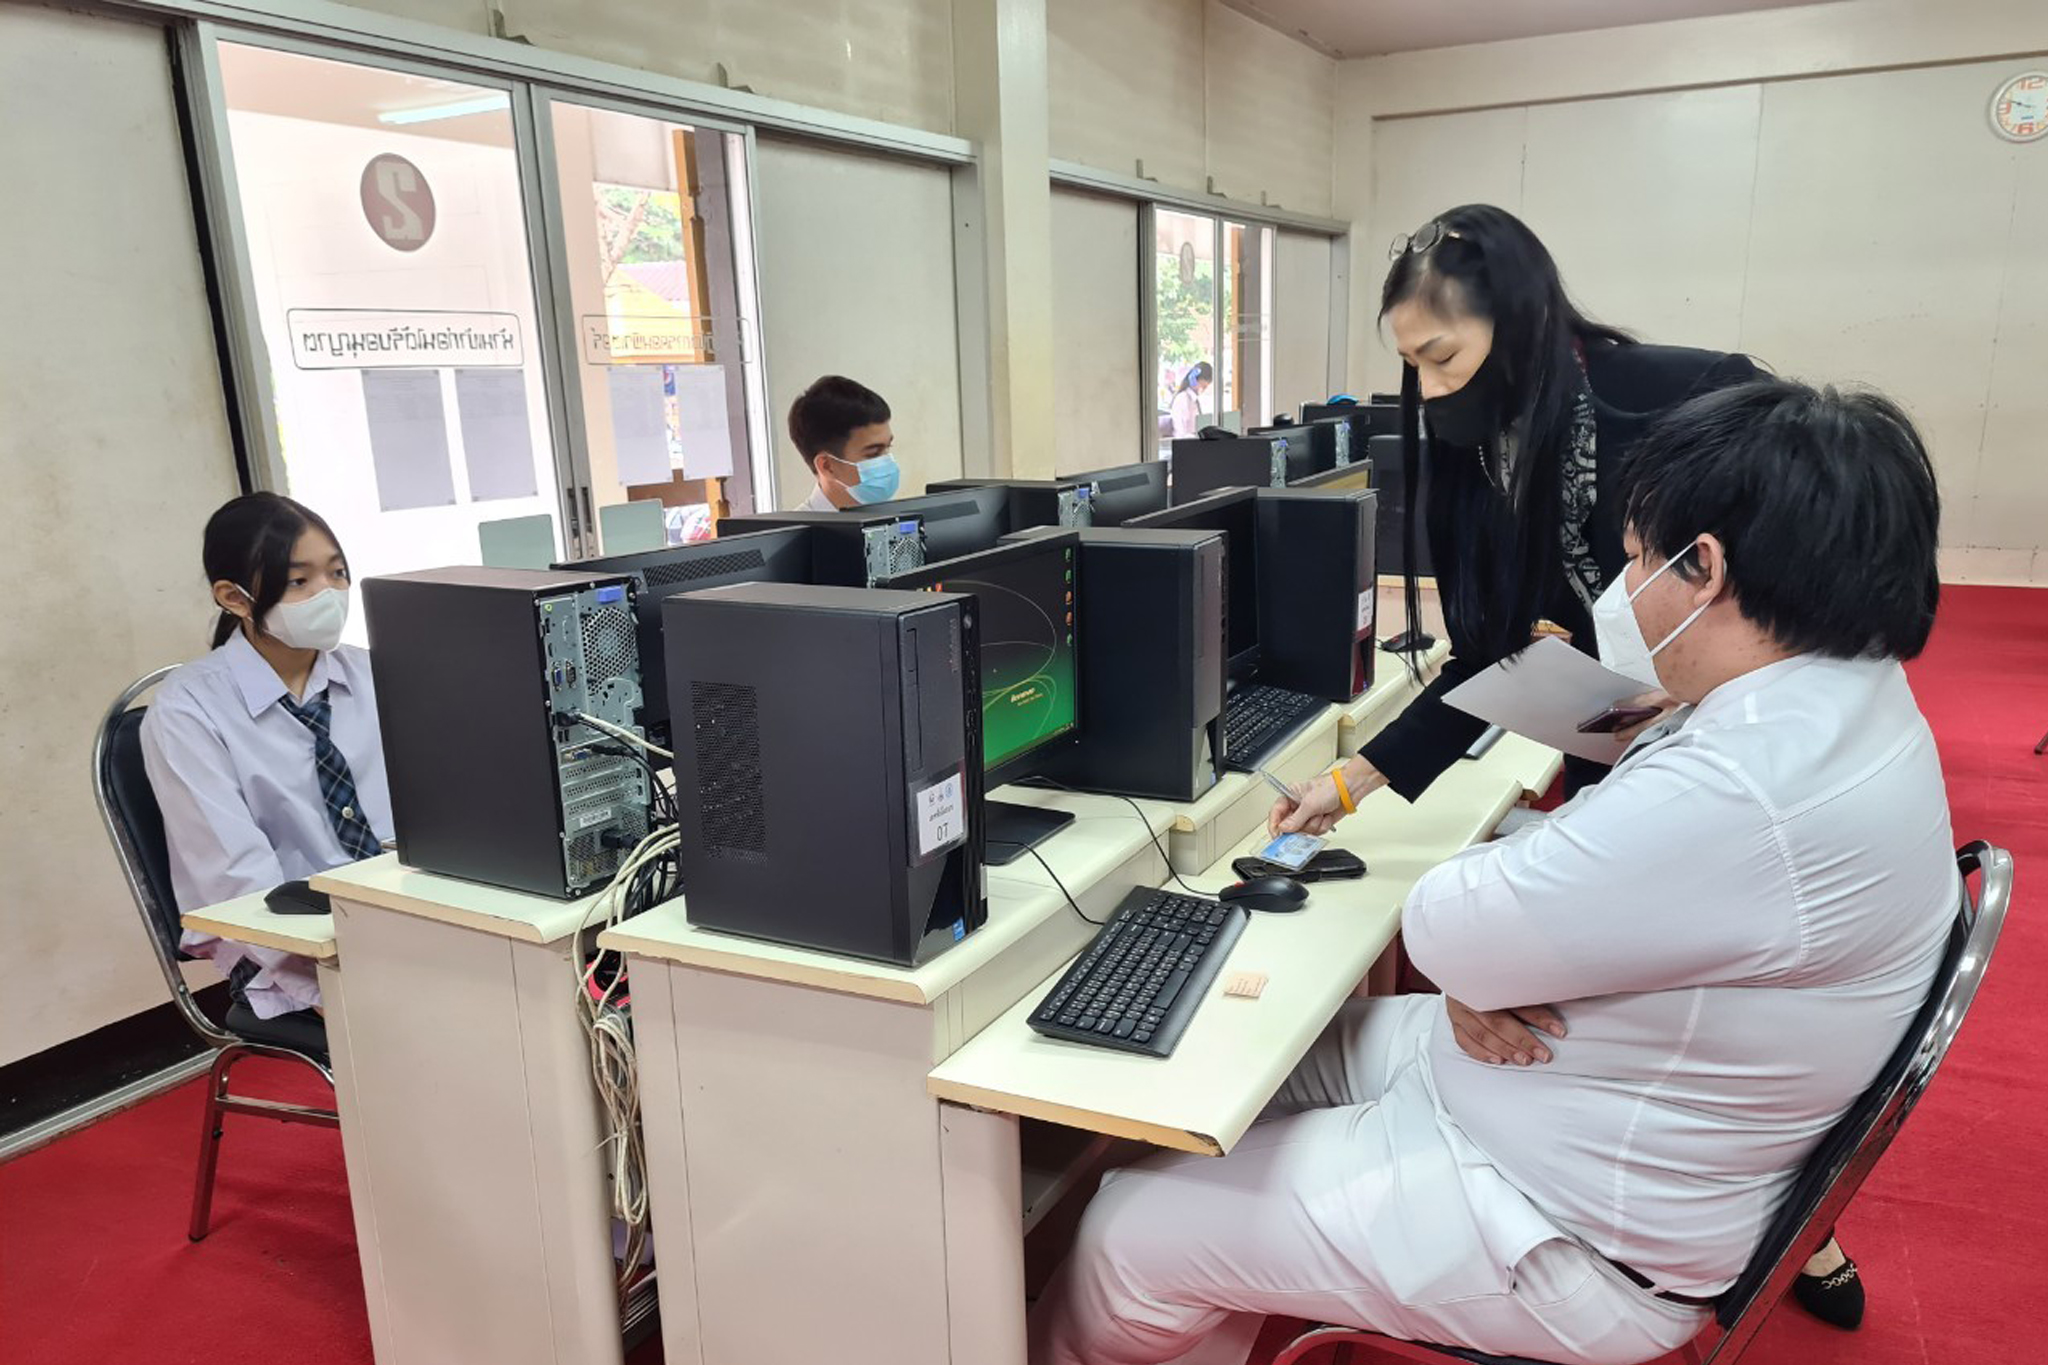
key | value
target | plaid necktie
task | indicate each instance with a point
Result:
(336, 785)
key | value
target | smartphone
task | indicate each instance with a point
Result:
(1616, 718)
(1291, 851)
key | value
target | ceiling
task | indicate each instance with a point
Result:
(1368, 28)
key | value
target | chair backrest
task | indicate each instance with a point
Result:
(1838, 1166)
(135, 825)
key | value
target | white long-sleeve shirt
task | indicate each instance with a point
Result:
(1737, 925)
(233, 773)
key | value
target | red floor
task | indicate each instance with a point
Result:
(94, 1265)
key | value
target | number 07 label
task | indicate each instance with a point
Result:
(940, 815)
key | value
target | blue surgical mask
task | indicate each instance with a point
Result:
(879, 479)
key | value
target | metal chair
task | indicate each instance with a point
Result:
(1834, 1172)
(136, 827)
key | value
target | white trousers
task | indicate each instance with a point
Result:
(1351, 1203)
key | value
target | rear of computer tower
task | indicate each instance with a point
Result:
(849, 549)
(1202, 467)
(1318, 590)
(829, 767)
(1153, 666)
(1390, 477)
(1063, 503)
(481, 677)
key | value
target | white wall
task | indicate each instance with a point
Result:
(1865, 227)
(1301, 319)
(1194, 91)
(882, 59)
(1097, 385)
(857, 279)
(115, 449)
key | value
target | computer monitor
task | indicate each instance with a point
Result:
(1234, 512)
(782, 556)
(1028, 597)
(1068, 504)
(1342, 479)
(963, 521)
(1329, 442)
(1126, 491)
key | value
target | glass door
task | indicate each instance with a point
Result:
(1183, 325)
(650, 304)
(393, 289)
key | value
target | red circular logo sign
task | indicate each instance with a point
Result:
(397, 202)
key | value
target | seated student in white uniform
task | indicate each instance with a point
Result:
(265, 754)
(1733, 931)
(841, 428)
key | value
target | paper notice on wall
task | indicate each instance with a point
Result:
(941, 815)
(497, 438)
(639, 424)
(408, 439)
(705, 425)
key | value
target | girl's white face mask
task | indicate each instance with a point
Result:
(1619, 635)
(315, 623)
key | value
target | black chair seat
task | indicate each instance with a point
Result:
(302, 1031)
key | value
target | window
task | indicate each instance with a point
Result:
(488, 322)
(1212, 328)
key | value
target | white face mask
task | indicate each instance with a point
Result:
(314, 623)
(1620, 636)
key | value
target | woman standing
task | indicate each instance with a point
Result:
(1186, 408)
(1526, 408)
(265, 755)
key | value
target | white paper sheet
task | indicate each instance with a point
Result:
(704, 421)
(1545, 693)
(408, 439)
(497, 438)
(639, 424)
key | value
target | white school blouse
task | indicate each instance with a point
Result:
(233, 773)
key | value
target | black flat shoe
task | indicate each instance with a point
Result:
(1836, 1299)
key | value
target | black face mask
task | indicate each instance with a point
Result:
(1475, 414)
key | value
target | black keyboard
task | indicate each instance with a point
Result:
(1259, 719)
(1139, 983)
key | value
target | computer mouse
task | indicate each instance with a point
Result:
(1276, 895)
(297, 898)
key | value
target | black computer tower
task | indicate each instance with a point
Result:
(1318, 590)
(829, 767)
(850, 548)
(1153, 665)
(1063, 503)
(480, 676)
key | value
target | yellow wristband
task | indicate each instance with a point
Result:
(1343, 792)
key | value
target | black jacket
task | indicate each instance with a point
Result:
(1632, 386)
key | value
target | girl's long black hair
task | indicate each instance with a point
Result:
(1493, 566)
(249, 543)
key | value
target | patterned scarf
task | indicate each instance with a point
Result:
(1577, 473)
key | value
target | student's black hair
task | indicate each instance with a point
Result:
(1493, 571)
(1201, 372)
(1825, 502)
(828, 412)
(249, 543)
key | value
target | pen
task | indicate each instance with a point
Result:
(1277, 785)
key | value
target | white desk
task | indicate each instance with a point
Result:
(834, 1204)
(469, 1124)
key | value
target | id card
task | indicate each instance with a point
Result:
(1292, 851)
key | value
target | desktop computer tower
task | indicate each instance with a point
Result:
(849, 549)
(1318, 590)
(1390, 477)
(1153, 665)
(1064, 503)
(829, 767)
(481, 675)
(1200, 467)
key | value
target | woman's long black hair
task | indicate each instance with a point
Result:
(1493, 568)
(249, 543)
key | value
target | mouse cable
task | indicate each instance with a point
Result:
(1143, 819)
(1009, 843)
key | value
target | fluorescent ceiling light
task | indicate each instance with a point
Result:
(482, 104)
